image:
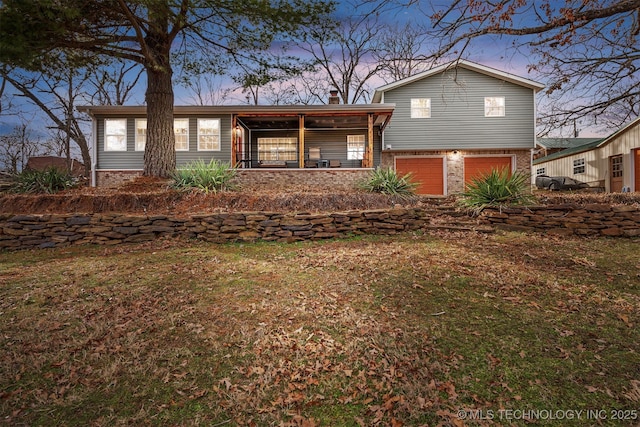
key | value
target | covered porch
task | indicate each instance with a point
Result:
(309, 137)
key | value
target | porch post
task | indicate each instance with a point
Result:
(234, 140)
(301, 140)
(369, 149)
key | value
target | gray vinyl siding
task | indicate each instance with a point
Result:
(134, 160)
(457, 114)
(332, 144)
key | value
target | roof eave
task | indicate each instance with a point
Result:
(512, 78)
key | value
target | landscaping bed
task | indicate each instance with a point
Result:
(149, 195)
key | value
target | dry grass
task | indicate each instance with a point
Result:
(374, 331)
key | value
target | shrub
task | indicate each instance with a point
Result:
(387, 181)
(498, 188)
(214, 176)
(50, 180)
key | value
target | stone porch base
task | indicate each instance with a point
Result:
(316, 179)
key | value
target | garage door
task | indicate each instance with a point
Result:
(475, 167)
(428, 171)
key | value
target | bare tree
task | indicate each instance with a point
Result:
(16, 147)
(207, 89)
(401, 52)
(56, 97)
(114, 83)
(344, 59)
(585, 50)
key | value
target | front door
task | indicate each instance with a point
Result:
(615, 166)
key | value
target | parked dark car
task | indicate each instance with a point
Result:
(559, 183)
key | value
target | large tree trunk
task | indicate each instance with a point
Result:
(81, 141)
(159, 153)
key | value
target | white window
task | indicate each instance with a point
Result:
(494, 106)
(578, 166)
(141, 134)
(181, 130)
(420, 108)
(541, 171)
(355, 147)
(208, 134)
(277, 148)
(115, 135)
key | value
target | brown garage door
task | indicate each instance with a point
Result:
(475, 167)
(428, 171)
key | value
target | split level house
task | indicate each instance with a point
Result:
(445, 126)
(612, 163)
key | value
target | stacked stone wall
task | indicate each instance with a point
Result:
(568, 219)
(115, 178)
(48, 231)
(321, 178)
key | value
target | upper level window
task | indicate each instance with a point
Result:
(420, 108)
(181, 130)
(355, 147)
(494, 106)
(208, 134)
(578, 166)
(141, 134)
(115, 135)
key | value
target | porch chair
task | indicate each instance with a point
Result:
(334, 163)
(314, 156)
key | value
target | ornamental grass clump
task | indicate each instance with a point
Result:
(50, 180)
(497, 188)
(213, 176)
(387, 181)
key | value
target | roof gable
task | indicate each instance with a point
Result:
(492, 72)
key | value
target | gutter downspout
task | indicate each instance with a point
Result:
(535, 139)
(94, 149)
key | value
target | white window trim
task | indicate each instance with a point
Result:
(187, 134)
(541, 171)
(136, 148)
(579, 163)
(501, 108)
(106, 135)
(359, 153)
(420, 110)
(218, 135)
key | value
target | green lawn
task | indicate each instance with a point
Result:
(440, 329)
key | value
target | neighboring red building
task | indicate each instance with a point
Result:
(41, 163)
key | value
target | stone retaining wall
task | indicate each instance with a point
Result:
(48, 231)
(320, 178)
(568, 219)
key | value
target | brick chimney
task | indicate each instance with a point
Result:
(333, 97)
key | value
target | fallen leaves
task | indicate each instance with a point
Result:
(309, 335)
